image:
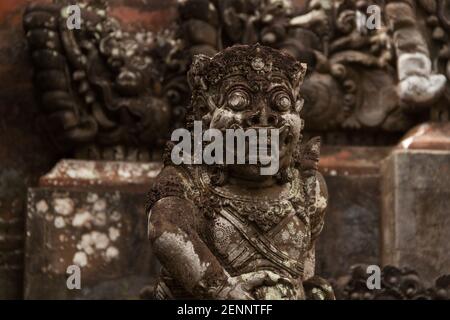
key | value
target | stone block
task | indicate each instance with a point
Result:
(416, 211)
(92, 215)
(351, 232)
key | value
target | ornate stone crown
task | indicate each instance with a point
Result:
(252, 61)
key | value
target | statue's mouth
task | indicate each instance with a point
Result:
(272, 144)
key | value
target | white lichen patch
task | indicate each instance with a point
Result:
(59, 222)
(101, 240)
(86, 244)
(93, 241)
(114, 233)
(294, 253)
(109, 169)
(176, 245)
(277, 292)
(99, 244)
(42, 206)
(100, 219)
(99, 205)
(285, 235)
(80, 259)
(63, 206)
(92, 197)
(100, 173)
(82, 219)
(115, 216)
(291, 228)
(153, 173)
(112, 253)
(246, 277)
(124, 173)
(84, 173)
(321, 201)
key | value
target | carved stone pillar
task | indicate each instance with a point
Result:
(416, 192)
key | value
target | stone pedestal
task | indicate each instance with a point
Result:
(416, 202)
(92, 215)
(351, 233)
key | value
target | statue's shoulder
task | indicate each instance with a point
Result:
(316, 192)
(173, 181)
(320, 188)
(317, 202)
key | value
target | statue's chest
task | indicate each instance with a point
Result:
(243, 246)
(250, 231)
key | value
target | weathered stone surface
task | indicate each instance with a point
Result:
(237, 231)
(78, 173)
(11, 257)
(416, 213)
(351, 234)
(24, 156)
(429, 136)
(397, 284)
(91, 215)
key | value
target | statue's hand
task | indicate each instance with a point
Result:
(317, 288)
(418, 87)
(243, 287)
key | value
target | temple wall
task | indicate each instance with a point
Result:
(25, 155)
(352, 174)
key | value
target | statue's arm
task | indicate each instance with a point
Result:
(179, 248)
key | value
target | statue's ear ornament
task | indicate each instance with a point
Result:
(299, 105)
(196, 74)
(211, 103)
(307, 156)
(299, 74)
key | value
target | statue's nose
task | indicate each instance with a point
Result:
(263, 116)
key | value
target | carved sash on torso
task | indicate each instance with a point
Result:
(250, 233)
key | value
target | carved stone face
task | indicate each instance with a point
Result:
(250, 87)
(264, 104)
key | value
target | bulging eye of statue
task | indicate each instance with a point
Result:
(282, 101)
(238, 100)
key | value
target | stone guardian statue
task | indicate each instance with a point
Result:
(225, 231)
